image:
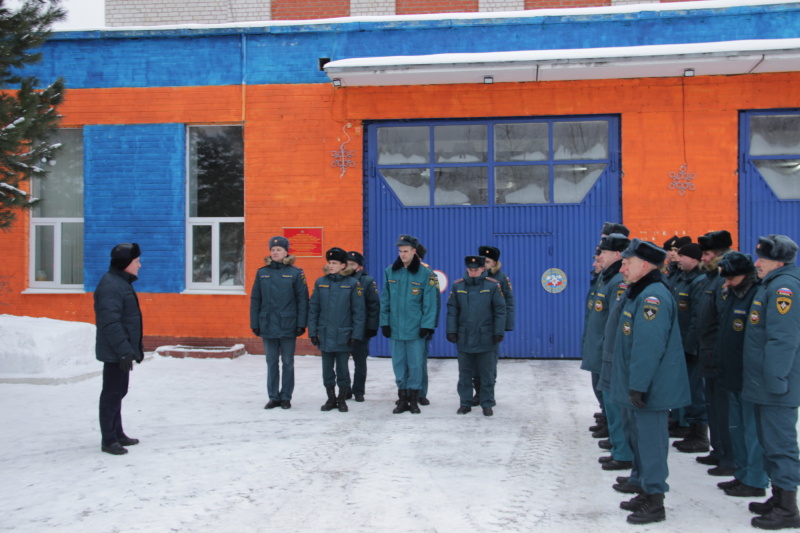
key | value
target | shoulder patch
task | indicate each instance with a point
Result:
(784, 291)
(652, 300)
(783, 304)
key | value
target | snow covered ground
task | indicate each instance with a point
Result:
(213, 460)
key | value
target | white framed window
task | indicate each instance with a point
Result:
(56, 238)
(215, 209)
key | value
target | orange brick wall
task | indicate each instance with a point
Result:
(309, 9)
(290, 132)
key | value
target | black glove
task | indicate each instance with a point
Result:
(256, 332)
(352, 342)
(299, 331)
(636, 398)
(424, 332)
(314, 340)
(497, 339)
(452, 337)
(371, 333)
(387, 331)
(126, 365)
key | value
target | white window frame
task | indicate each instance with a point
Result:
(212, 287)
(54, 286)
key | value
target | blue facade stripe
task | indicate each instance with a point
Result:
(134, 183)
(282, 54)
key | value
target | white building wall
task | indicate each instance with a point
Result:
(163, 12)
(501, 5)
(372, 7)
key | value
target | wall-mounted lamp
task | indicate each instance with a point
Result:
(689, 72)
(337, 82)
(488, 79)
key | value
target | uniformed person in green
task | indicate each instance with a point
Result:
(772, 376)
(648, 377)
(279, 314)
(408, 317)
(336, 318)
(373, 304)
(476, 321)
(494, 271)
(750, 478)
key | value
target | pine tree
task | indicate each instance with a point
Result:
(27, 112)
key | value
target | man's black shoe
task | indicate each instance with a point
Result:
(487, 411)
(745, 491)
(652, 510)
(623, 479)
(359, 397)
(634, 504)
(127, 441)
(728, 484)
(721, 471)
(601, 433)
(618, 465)
(115, 448)
(627, 488)
(604, 444)
(286, 404)
(464, 409)
(605, 458)
(272, 404)
(707, 460)
(424, 401)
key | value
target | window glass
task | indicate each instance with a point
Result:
(775, 135)
(572, 182)
(464, 143)
(201, 254)
(411, 185)
(528, 184)
(231, 253)
(44, 246)
(61, 191)
(404, 145)
(461, 186)
(521, 142)
(72, 253)
(580, 140)
(782, 175)
(216, 171)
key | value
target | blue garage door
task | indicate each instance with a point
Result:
(769, 176)
(537, 189)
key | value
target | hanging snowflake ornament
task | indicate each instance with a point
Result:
(682, 180)
(343, 158)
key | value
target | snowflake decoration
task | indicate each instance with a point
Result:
(343, 158)
(682, 181)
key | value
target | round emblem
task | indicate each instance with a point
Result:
(554, 280)
(683, 305)
(415, 291)
(754, 317)
(738, 324)
(626, 328)
(598, 305)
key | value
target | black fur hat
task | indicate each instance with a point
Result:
(691, 250)
(736, 263)
(646, 251)
(336, 254)
(616, 242)
(611, 227)
(356, 257)
(777, 248)
(421, 251)
(715, 240)
(407, 240)
(123, 255)
(489, 251)
(475, 261)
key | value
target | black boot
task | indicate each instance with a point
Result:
(331, 403)
(413, 399)
(340, 403)
(652, 510)
(783, 515)
(697, 442)
(476, 383)
(348, 393)
(767, 506)
(634, 504)
(402, 401)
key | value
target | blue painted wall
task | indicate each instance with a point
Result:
(135, 192)
(289, 53)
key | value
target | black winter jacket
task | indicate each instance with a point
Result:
(118, 318)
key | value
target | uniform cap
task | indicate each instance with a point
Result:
(777, 248)
(336, 254)
(646, 251)
(282, 242)
(475, 261)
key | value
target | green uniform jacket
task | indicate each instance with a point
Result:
(708, 323)
(372, 300)
(772, 341)
(279, 300)
(508, 293)
(476, 311)
(337, 311)
(688, 290)
(408, 299)
(732, 324)
(648, 353)
(619, 296)
(594, 328)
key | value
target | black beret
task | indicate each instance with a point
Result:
(336, 254)
(616, 242)
(691, 250)
(407, 240)
(474, 261)
(735, 263)
(715, 240)
(777, 248)
(646, 251)
(611, 227)
(123, 255)
(489, 251)
(356, 257)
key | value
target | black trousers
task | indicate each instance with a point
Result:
(115, 387)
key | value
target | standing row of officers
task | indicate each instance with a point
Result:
(696, 340)
(345, 311)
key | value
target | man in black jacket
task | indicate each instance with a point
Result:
(119, 341)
